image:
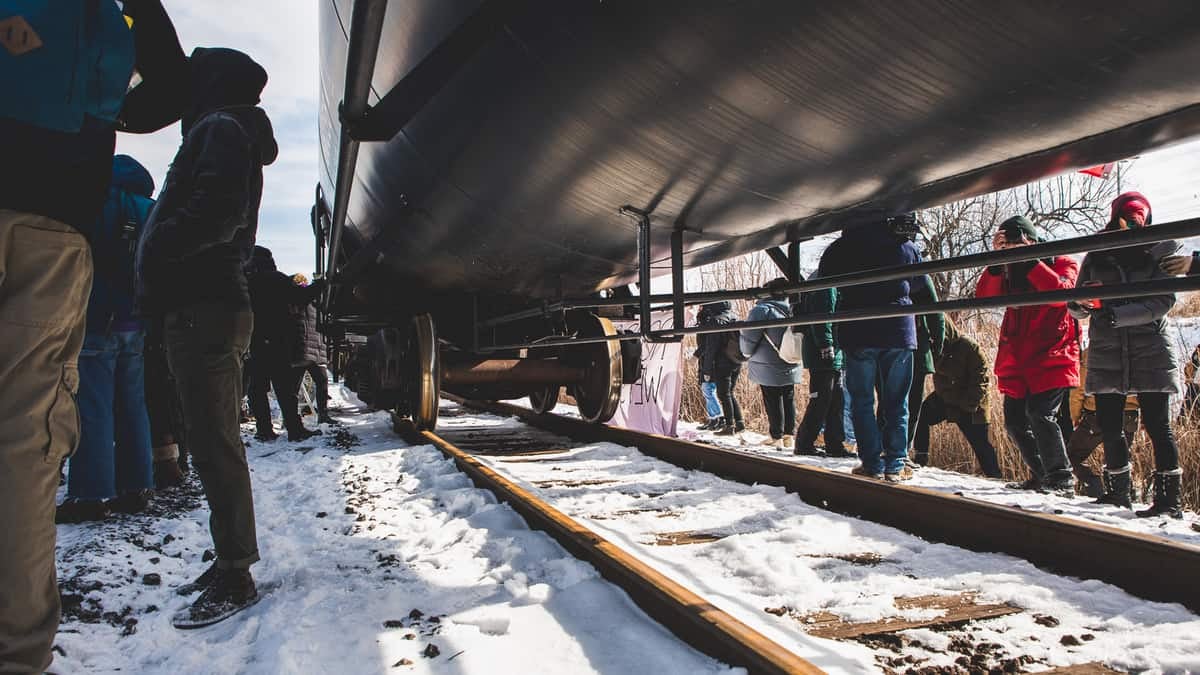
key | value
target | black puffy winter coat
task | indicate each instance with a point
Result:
(711, 346)
(1134, 353)
(279, 312)
(308, 347)
(203, 228)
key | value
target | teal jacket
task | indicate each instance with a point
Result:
(931, 328)
(818, 336)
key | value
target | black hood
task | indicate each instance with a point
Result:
(230, 81)
(261, 260)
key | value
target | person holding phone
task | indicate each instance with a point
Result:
(1130, 353)
(1037, 361)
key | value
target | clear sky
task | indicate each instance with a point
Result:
(282, 36)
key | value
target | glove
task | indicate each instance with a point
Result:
(1177, 264)
(827, 354)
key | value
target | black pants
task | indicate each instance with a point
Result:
(1156, 418)
(320, 387)
(826, 403)
(725, 384)
(780, 403)
(204, 346)
(162, 395)
(933, 412)
(266, 374)
(1032, 424)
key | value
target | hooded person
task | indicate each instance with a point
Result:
(277, 345)
(716, 365)
(824, 362)
(775, 377)
(1131, 353)
(190, 274)
(1037, 360)
(878, 352)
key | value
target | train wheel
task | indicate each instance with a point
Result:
(600, 392)
(424, 373)
(544, 400)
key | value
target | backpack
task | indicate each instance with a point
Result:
(790, 348)
(733, 349)
(68, 61)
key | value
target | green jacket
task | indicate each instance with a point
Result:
(961, 378)
(931, 328)
(820, 335)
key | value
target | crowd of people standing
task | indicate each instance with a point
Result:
(879, 367)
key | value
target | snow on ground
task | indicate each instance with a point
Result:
(376, 558)
(781, 552)
(974, 487)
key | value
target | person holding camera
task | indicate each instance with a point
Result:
(1130, 353)
(1037, 361)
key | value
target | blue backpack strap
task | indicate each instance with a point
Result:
(62, 60)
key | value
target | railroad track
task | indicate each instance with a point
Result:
(531, 467)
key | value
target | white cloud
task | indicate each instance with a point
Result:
(282, 36)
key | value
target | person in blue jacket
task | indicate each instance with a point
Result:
(112, 468)
(65, 71)
(877, 350)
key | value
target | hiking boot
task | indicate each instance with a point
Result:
(324, 418)
(739, 426)
(230, 592)
(302, 434)
(838, 452)
(774, 443)
(265, 436)
(132, 502)
(1031, 484)
(712, 424)
(904, 474)
(1092, 486)
(1167, 499)
(789, 441)
(1063, 487)
(809, 452)
(1116, 488)
(74, 510)
(861, 470)
(729, 430)
(167, 474)
(199, 583)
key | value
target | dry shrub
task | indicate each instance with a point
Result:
(948, 449)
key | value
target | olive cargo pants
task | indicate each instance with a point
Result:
(205, 344)
(45, 279)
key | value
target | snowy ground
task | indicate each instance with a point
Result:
(974, 487)
(778, 552)
(377, 558)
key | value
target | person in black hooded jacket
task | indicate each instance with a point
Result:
(715, 364)
(189, 266)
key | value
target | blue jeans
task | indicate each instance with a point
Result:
(712, 407)
(892, 368)
(114, 442)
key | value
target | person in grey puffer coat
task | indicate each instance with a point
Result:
(775, 377)
(1130, 353)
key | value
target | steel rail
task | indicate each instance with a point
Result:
(1150, 567)
(1134, 289)
(693, 619)
(1092, 242)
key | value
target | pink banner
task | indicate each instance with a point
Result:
(652, 403)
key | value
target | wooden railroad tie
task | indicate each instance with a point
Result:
(955, 610)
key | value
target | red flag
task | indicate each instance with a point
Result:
(1102, 171)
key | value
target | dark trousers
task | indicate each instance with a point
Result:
(266, 374)
(320, 387)
(1086, 438)
(780, 403)
(933, 412)
(1156, 418)
(205, 344)
(162, 397)
(725, 384)
(1032, 424)
(826, 408)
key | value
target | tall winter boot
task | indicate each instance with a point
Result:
(1116, 487)
(1168, 501)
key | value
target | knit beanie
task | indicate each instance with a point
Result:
(1133, 208)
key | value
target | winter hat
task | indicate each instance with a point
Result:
(1133, 208)
(1022, 224)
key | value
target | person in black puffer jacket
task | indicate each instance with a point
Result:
(189, 271)
(277, 347)
(724, 371)
(1130, 353)
(309, 354)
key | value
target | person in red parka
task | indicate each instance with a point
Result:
(1037, 362)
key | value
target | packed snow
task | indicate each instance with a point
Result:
(377, 557)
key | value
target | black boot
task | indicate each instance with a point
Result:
(1116, 488)
(727, 430)
(230, 592)
(302, 433)
(130, 502)
(200, 583)
(1168, 486)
